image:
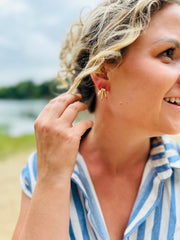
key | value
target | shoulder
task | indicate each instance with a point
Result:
(172, 152)
(165, 155)
(171, 144)
(28, 177)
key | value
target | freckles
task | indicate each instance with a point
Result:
(121, 104)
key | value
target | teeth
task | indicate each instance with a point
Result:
(178, 100)
(172, 100)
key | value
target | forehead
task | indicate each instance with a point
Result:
(164, 24)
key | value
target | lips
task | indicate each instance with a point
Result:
(173, 100)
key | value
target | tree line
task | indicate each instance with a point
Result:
(29, 90)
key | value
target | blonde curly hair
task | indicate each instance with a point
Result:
(103, 37)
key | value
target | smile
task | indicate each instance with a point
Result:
(173, 100)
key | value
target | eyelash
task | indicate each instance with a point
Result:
(168, 53)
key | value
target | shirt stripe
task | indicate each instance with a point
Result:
(157, 219)
(172, 217)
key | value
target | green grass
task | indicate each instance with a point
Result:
(14, 145)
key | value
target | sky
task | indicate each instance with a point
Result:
(31, 33)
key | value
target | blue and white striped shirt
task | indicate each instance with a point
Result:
(156, 212)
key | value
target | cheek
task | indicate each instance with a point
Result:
(151, 75)
(143, 81)
(138, 80)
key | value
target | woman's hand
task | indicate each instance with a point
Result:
(57, 139)
(46, 215)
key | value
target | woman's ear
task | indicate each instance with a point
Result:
(101, 79)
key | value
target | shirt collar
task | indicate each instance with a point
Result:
(163, 160)
(83, 181)
(164, 156)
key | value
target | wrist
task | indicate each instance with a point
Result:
(61, 183)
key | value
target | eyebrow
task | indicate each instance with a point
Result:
(171, 40)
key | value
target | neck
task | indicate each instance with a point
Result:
(116, 148)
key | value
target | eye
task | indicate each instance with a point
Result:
(169, 53)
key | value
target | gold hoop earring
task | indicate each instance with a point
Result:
(102, 93)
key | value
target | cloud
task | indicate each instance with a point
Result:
(50, 20)
(6, 42)
(41, 47)
(31, 33)
(9, 7)
(82, 3)
(36, 73)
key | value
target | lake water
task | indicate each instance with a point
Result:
(17, 116)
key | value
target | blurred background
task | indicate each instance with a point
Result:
(31, 33)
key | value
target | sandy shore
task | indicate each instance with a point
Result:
(10, 193)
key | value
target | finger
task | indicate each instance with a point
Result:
(81, 127)
(56, 106)
(65, 96)
(71, 112)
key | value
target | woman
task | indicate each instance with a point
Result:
(121, 180)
